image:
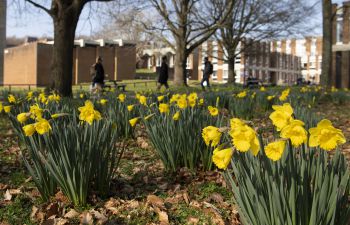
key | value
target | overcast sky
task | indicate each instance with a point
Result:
(37, 23)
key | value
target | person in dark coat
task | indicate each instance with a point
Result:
(99, 74)
(163, 74)
(208, 70)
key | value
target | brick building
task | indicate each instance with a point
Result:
(340, 76)
(309, 50)
(153, 60)
(257, 60)
(30, 63)
(3, 4)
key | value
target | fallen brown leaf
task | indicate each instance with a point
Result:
(86, 218)
(192, 220)
(163, 216)
(71, 214)
(7, 195)
(155, 201)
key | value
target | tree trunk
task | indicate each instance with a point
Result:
(3, 5)
(327, 43)
(65, 24)
(180, 68)
(231, 70)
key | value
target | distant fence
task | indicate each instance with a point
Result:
(144, 83)
(28, 86)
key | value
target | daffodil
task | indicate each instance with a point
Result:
(29, 129)
(326, 136)
(81, 96)
(133, 121)
(143, 100)
(284, 95)
(22, 117)
(213, 111)
(222, 158)
(88, 113)
(270, 97)
(7, 108)
(281, 116)
(163, 108)
(121, 97)
(130, 107)
(274, 150)
(192, 102)
(11, 99)
(54, 97)
(296, 132)
(182, 103)
(103, 101)
(262, 88)
(174, 98)
(192, 97)
(42, 126)
(235, 122)
(176, 116)
(201, 101)
(35, 111)
(29, 95)
(211, 135)
(160, 98)
(244, 137)
(242, 94)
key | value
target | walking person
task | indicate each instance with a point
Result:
(98, 75)
(163, 74)
(208, 70)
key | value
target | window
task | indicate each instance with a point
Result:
(339, 30)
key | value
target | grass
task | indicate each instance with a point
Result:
(18, 211)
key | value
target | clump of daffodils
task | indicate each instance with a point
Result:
(244, 138)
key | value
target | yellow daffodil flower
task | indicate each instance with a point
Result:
(29, 130)
(274, 150)
(211, 135)
(284, 95)
(242, 94)
(88, 113)
(160, 98)
(133, 121)
(11, 99)
(163, 108)
(222, 158)
(22, 117)
(326, 136)
(130, 107)
(182, 103)
(281, 116)
(213, 111)
(296, 132)
(103, 101)
(7, 108)
(42, 126)
(143, 100)
(121, 97)
(176, 116)
(35, 111)
(270, 97)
